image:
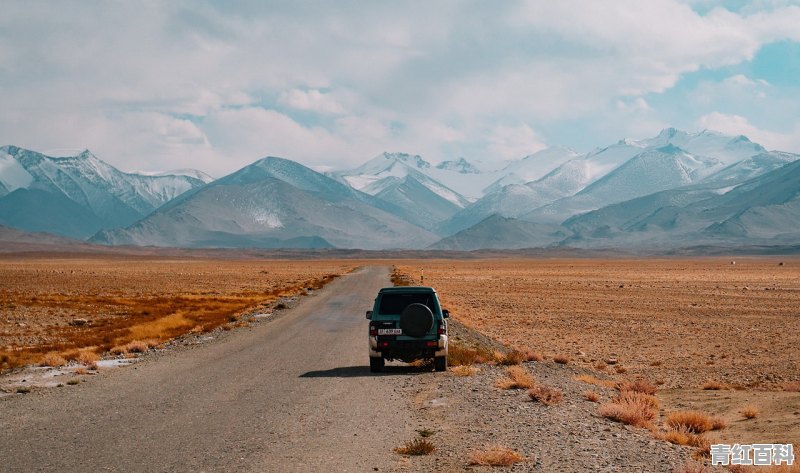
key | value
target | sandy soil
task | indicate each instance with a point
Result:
(65, 304)
(679, 323)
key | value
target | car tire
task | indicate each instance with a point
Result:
(376, 364)
(440, 363)
(416, 320)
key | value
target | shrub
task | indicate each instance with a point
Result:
(53, 360)
(714, 386)
(495, 456)
(694, 422)
(87, 357)
(546, 395)
(684, 437)
(418, 446)
(638, 386)
(458, 355)
(517, 377)
(561, 359)
(514, 357)
(463, 370)
(631, 408)
(750, 412)
(591, 396)
(531, 355)
(620, 369)
(792, 386)
(136, 346)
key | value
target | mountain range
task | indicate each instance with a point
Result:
(674, 190)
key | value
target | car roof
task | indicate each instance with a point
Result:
(407, 289)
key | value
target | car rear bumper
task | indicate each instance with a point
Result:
(407, 349)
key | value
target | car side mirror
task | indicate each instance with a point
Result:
(369, 315)
(446, 314)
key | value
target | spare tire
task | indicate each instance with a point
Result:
(416, 320)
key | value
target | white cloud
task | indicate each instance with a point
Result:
(513, 142)
(739, 125)
(311, 100)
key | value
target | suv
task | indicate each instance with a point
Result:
(407, 324)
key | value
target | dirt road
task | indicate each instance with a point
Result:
(294, 394)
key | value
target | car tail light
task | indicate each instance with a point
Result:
(373, 332)
(431, 344)
(383, 344)
(442, 329)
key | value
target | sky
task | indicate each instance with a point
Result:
(216, 85)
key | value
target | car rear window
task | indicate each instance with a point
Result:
(393, 304)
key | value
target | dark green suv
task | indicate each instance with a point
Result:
(407, 324)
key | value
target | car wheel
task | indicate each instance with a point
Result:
(376, 364)
(440, 363)
(416, 320)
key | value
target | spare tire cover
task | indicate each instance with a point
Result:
(416, 320)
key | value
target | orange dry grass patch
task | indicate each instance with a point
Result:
(631, 408)
(684, 437)
(495, 456)
(591, 396)
(715, 386)
(694, 422)
(546, 395)
(53, 360)
(792, 386)
(464, 370)
(514, 357)
(531, 355)
(638, 386)
(561, 359)
(750, 412)
(458, 354)
(517, 377)
(419, 446)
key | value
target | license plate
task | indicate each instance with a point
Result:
(390, 331)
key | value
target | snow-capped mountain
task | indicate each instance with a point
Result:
(532, 167)
(81, 192)
(273, 202)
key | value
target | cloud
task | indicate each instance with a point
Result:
(311, 100)
(739, 125)
(214, 85)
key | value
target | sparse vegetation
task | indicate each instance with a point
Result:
(495, 456)
(418, 446)
(23, 390)
(53, 360)
(516, 377)
(792, 386)
(531, 355)
(460, 355)
(591, 396)
(513, 357)
(632, 408)
(545, 395)
(638, 386)
(135, 300)
(425, 433)
(684, 437)
(464, 370)
(72, 382)
(561, 359)
(714, 386)
(750, 412)
(694, 422)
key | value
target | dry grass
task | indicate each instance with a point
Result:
(715, 386)
(561, 359)
(694, 422)
(461, 355)
(545, 395)
(750, 412)
(419, 446)
(531, 355)
(631, 408)
(495, 456)
(591, 396)
(588, 379)
(684, 437)
(53, 360)
(513, 357)
(638, 386)
(136, 346)
(792, 386)
(517, 377)
(620, 369)
(464, 370)
(87, 357)
(127, 299)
